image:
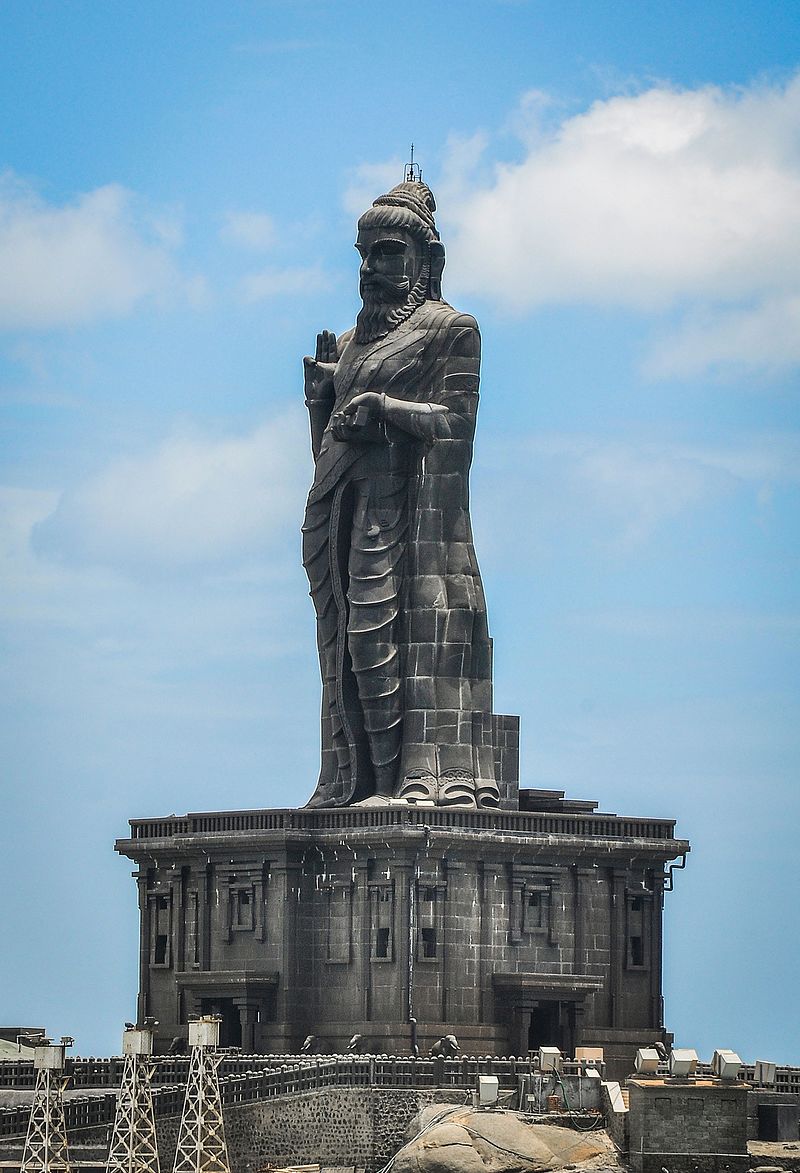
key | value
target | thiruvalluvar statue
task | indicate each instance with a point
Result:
(403, 639)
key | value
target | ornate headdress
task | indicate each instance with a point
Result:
(410, 205)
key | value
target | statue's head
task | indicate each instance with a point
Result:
(401, 258)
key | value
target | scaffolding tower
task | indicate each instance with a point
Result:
(134, 1147)
(46, 1149)
(201, 1139)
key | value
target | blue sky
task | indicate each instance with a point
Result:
(619, 195)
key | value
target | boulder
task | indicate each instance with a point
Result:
(447, 1139)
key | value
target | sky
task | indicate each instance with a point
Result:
(618, 187)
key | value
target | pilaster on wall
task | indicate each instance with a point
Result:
(656, 949)
(284, 890)
(143, 1002)
(617, 890)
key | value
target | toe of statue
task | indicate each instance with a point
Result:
(457, 789)
(418, 786)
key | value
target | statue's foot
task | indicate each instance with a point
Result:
(320, 798)
(457, 788)
(487, 796)
(418, 786)
(329, 792)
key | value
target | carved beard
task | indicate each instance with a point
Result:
(383, 310)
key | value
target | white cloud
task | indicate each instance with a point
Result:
(292, 282)
(765, 336)
(193, 501)
(621, 493)
(251, 230)
(94, 258)
(669, 198)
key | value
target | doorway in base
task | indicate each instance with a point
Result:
(552, 1024)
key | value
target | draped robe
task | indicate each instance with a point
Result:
(403, 639)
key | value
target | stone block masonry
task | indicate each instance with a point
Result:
(511, 929)
(687, 1128)
(333, 1126)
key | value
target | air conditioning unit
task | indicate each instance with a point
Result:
(647, 1061)
(488, 1090)
(682, 1062)
(549, 1059)
(726, 1064)
(764, 1073)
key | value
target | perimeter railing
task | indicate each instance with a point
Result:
(248, 1078)
(510, 822)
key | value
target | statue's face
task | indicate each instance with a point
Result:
(391, 260)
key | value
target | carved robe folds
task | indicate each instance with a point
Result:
(402, 632)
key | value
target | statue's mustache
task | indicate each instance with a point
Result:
(378, 283)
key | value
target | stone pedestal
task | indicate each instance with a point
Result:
(509, 929)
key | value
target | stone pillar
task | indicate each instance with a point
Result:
(362, 929)
(656, 944)
(494, 910)
(248, 1020)
(584, 881)
(619, 879)
(205, 890)
(174, 877)
(285, 886)
(143, 1006)
(404, 945)
(451, 894)
(520, 1027)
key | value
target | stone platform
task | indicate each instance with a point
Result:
(510, 929)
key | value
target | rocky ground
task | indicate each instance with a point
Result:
(444, 1139)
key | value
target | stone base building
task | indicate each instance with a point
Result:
(537, 924)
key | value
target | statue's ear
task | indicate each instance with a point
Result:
(437, 265)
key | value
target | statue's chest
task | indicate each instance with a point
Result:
(392, 365)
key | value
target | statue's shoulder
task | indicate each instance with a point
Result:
(445, 317)
(343, 339)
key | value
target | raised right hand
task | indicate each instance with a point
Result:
(319, 370)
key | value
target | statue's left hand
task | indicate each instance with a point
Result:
(357, 415)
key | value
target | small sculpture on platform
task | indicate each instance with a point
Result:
(446, 1047)
(402, 632)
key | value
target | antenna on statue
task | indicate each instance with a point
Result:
(413, 171)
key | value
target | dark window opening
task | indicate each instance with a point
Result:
(636, 904)
(160, 953)
(429, 895)
(382, 943)
(429, 942)
(163, 903)
(244, 908)
(385, 895)
(637, 951)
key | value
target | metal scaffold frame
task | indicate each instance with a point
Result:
(46, 1149)
(201, 1139)
(134, 1147)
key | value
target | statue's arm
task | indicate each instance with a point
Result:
(450, 413)
(446, 413)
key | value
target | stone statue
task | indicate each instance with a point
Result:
(403, 639)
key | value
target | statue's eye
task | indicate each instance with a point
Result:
(390, 248)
